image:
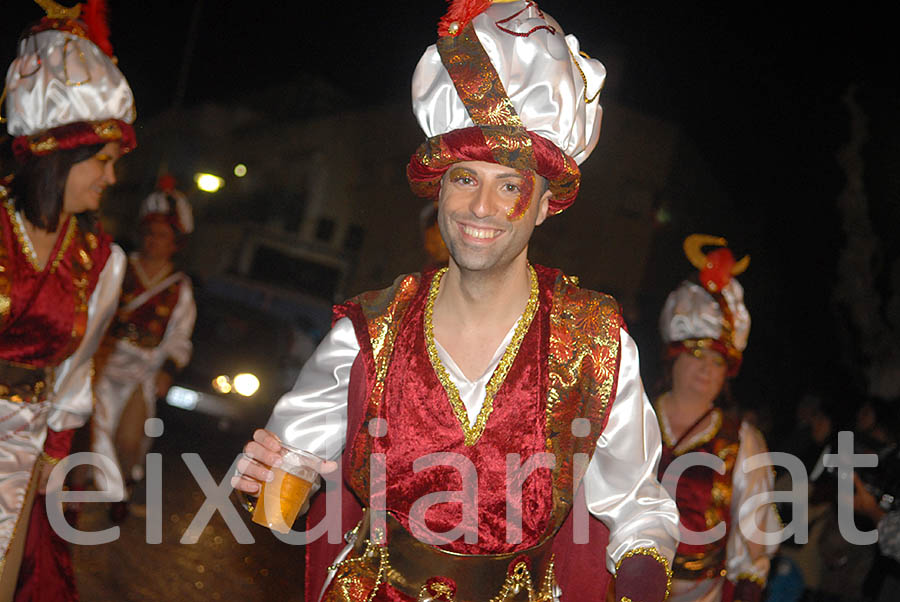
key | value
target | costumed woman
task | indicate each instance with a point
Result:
(149, 339)
(705, 325)
(69, 111)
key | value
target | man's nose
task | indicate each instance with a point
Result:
(484, 202)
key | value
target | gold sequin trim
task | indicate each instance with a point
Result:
(25, 246)
(473, 432)
(584, 77)
(655, 555)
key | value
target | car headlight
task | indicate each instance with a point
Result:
(245, 384)
(222, 384)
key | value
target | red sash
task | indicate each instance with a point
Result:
(145, 325)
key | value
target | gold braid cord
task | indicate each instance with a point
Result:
(655, 555)
(472, 433)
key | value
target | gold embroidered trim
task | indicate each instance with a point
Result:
(50, 459)
(587, 100)
(701, 438)
(26, 247)
(473, 433)
(519, 579)
(655, 555)
(346, 582)
(46, 143)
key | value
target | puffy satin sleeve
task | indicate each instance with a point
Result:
(72, 399)
(313, 415)
(748, 560)
(621, 488)
(176, 343)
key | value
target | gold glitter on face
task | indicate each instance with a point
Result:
(526, 194)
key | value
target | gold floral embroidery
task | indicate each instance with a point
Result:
(581, 365)
(473, 433)
(383, 311)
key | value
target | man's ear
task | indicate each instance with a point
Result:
(543, 207)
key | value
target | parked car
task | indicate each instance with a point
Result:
(244, 359)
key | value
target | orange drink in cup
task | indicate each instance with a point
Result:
(282, 498)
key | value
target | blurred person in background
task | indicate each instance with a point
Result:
(69, 112)
(877, 495)
(148, 341)
(705, 326)
(800, 566)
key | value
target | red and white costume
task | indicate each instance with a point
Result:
(503, 84)
(710, 314)
(62, 92)
(153, 325)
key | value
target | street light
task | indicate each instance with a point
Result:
(208, 182)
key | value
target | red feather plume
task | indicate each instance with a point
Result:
(94, 14)
(461, 12)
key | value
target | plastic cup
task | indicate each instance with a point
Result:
(282, 498)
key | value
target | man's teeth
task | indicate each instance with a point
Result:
(480, 233)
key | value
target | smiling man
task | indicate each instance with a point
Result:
(502, 402)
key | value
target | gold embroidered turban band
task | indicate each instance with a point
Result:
(504, 84)
(64, 90)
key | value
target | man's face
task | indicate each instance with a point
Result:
(474, 208)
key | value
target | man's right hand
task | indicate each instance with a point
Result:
(260, 455)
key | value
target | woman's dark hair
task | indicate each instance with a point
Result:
(40, 183)
(725, 400)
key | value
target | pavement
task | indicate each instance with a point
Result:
(216, 567)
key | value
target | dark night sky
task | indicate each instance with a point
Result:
(756, 86)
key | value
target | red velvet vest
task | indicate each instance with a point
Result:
(566, 368)
(703, 497)
(43, 313)
(146, 325)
